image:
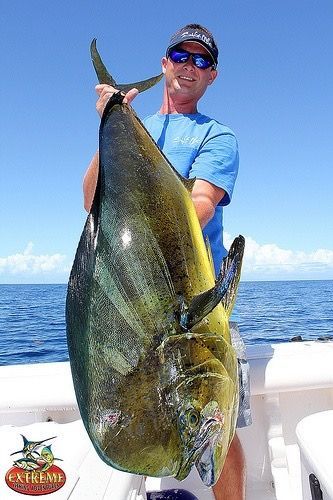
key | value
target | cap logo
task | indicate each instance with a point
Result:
(200, 36)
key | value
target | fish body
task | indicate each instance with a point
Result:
(26, 464)
(153, 368)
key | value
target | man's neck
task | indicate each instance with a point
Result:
(177, 105)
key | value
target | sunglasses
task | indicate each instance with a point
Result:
(201, 61)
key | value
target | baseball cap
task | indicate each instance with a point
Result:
(195, 33)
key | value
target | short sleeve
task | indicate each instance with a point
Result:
(217, 162)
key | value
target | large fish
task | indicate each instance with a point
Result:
(154, 371)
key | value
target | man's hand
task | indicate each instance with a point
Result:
(106, 91)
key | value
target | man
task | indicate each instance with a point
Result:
(198, 147)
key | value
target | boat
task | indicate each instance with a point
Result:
(288, 448)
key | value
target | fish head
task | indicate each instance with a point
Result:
(205, 424)
(47, 454)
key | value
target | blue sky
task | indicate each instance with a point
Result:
(274, 90)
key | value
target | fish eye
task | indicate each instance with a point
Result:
(193, 418)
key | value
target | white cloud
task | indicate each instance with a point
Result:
(27, 263)
(268, 261)
(261, 262)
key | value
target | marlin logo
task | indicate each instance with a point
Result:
(35, 472)
(30, 448)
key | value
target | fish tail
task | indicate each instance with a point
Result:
(104, 76)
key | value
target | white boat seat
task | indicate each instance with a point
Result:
(315, 439)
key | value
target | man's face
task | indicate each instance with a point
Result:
(186, 79)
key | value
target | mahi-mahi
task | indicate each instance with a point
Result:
(153, 367)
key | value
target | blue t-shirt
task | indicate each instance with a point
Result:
(198, 146)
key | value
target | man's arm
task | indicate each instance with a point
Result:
(90, 178)
(90, 182)
(205, 197)
(215, 169)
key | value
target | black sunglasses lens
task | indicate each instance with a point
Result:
(199, 60)
(179, 56)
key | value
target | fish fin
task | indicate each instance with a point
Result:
(188, 183)
(25, 441)
(104, 76)
(224, 290)
(235, 254)
(210, 255)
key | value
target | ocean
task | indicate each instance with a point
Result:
(33, 329)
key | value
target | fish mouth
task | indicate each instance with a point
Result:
(206, 466)
(209, 463)
(202, 453)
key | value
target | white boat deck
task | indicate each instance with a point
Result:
(288, 382)
(89, 478)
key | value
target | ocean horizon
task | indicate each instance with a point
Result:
(33, 327)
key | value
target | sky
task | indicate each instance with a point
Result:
(274, 89)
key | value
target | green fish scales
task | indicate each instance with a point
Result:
(155, 399)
